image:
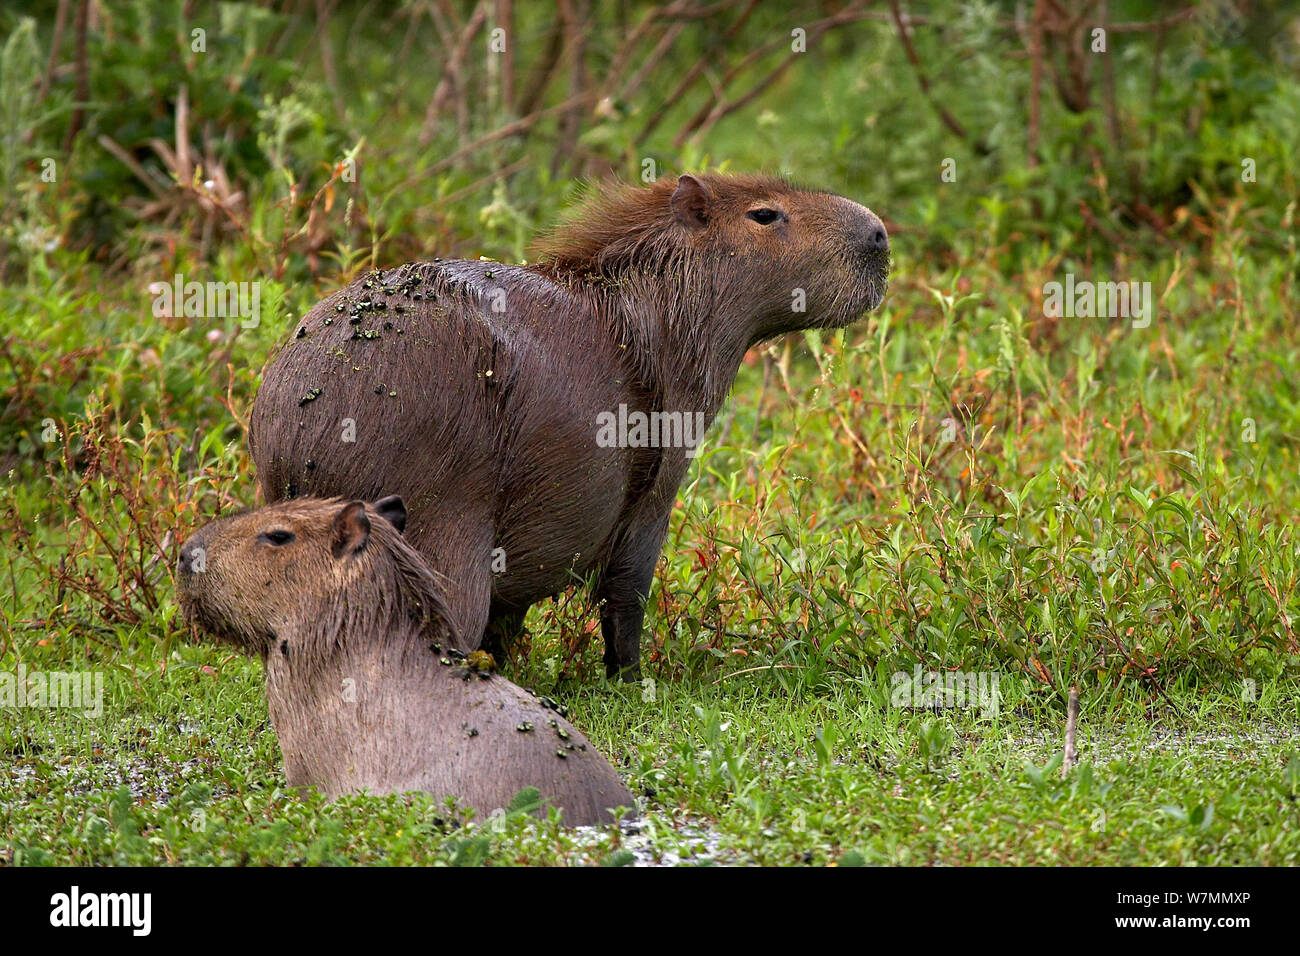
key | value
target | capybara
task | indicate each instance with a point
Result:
(539, 419)
(365, 690)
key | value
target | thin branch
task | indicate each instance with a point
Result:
(451, 78)
(948, 119)
(1070, 756)
(83, 75)
(699, 126)
(523, 124)
(60, 17)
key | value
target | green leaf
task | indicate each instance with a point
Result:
(527, 800)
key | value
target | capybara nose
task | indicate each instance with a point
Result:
(872, 235)
(190, 551)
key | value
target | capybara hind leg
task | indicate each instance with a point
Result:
(623, 588)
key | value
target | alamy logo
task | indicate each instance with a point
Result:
(208, 300)
(650, 430)
(76, 690)
(1091, 300)
(133, 910)
(930, 691)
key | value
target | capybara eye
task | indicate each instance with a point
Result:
(276, 537)
(764, 217)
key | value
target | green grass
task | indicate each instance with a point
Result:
(1108, 526)
(183, 769)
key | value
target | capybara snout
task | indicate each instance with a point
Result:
(870, 238)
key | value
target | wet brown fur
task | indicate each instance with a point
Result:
(364, 688)
(485, 420)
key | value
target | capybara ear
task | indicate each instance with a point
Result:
(351, 529)
(691, 202)
(392, 508)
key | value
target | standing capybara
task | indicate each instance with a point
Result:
(364, 690)
(539, 419)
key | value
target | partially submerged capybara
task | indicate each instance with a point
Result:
(539, 419)
(365, 689)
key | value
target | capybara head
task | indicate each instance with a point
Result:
(794, 258)
(304, 568)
